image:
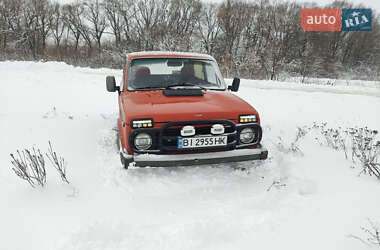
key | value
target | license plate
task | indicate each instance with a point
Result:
(201, 142)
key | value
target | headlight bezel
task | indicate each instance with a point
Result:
(147, 136)
(248, 118)
(244, 140)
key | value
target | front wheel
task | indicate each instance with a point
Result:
(124, 161)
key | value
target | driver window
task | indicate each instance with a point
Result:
(198, 70)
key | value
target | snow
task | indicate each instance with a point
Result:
(355, 87)
(319, 201)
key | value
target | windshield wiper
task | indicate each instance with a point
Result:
(147, 88)
(184, 84)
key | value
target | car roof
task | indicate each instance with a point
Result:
(171, 54)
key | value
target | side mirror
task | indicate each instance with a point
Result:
(111, 84)
(235, 85)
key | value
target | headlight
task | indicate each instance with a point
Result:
(145, 123)
(143, 141)
(247, 135)
(247, 118)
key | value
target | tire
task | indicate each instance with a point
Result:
(124, 162)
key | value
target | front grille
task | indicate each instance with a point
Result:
(171, 131)
(165, 139)
(199, 130)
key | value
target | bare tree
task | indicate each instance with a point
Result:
(181, 20)
(35, 22)
(72, 19)
(278, 36)
(76, 23)
(94, 14)
(114, 12)
(58, 26)
(232, 17)
(43, 12)
(29, 32)
(148, 16)
(208, 27)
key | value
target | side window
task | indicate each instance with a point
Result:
(211, 75)
(198, 70)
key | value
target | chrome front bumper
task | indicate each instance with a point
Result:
(237, 155)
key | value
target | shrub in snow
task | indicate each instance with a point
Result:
(333, 138)
(29, 165)
(372, 234)
(293, 147)
(360, 143)
(366, 150)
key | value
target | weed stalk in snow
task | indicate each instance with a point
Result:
(29, 165)
(58, 163)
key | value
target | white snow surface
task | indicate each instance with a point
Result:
(321, 200)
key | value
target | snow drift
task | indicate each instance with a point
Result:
(314, 201)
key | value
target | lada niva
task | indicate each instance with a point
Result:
(176, 110)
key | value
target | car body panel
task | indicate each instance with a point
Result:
(211, 106)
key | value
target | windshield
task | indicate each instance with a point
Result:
(161, 73)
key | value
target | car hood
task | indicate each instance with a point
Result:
(212, 105)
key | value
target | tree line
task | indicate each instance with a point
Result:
(259, 39)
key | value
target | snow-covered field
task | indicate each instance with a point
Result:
(319, 202)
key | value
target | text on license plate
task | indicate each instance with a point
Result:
(198, 142)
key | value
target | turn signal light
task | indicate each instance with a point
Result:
(247, 118)
(146, 123)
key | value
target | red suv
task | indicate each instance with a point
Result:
(175, 110)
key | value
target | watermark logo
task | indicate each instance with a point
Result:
(336, 19)
(356, 19)
(321, 19)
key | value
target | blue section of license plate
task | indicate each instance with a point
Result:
(180, 142)
(201, 142)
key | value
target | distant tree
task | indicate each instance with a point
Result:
(96, 16)
(232, 17)
(43, 11)
(58, 26)
(114, 13)
(148, 16)
(73, 20)
(278, 36)
(253, 39)
(208, 27)
(184, 14)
